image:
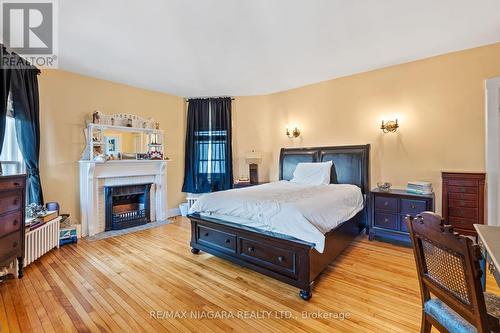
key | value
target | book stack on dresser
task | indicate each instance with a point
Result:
(463, 200)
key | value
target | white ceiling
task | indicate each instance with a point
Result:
(249, 47)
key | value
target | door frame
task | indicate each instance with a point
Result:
(492, 153)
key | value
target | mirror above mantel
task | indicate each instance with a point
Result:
(123, 137)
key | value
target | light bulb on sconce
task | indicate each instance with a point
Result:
(294, 133)
(389, 126)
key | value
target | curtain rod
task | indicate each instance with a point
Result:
(188, 98)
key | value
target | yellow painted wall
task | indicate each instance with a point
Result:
(438, 101)
(67, 100)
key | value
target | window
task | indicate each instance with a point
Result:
(11, 158)
(212, 152)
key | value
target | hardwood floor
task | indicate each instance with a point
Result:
(132, 283)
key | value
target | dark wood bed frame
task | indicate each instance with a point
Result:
(285, 258)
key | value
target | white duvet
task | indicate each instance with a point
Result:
(305, 212)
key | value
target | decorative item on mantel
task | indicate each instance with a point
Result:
(148, 138)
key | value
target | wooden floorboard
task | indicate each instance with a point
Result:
(115, 284)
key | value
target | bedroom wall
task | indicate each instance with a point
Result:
(67, 100)
(438, 101)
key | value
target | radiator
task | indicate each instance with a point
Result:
(41, 240)
(191, 199)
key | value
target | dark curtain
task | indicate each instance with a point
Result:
(208, 157)
(24, 89)
(222, 157)
(5, 73)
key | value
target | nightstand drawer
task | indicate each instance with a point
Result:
(462, 189)
(463, 212)
(402, 224)
(386, 221)
(412, 207)
(462, 203)
(386, 203)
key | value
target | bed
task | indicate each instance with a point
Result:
(290, 259)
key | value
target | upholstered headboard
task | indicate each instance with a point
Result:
(351, 164)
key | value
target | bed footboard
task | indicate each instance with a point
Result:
(284, 258)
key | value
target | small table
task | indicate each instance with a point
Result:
(489, 241)
(246, 184)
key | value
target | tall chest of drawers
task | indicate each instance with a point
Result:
(463, 200)
(12, 208)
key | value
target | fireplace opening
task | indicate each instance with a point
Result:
(127, 206)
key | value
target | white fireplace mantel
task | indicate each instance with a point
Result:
(94, 176)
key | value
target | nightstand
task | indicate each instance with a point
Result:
(246, 184)
(389, 209)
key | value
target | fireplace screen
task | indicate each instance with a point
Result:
(127, 206)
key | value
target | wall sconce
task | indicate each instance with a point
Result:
(295, 133)
(389, 126)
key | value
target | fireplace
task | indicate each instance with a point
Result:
(127, 206)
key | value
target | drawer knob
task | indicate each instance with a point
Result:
(228, 241)
(386, 220)
(16, 201)
(386, 203)
(17, 184)
(251, 249)
(413, 206)
(206, 234)
(281, 258)
(15, 222)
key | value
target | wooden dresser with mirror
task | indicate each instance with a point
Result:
(463, 200)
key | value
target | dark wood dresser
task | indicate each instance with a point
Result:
(463, 200)
(389, 209)
(12, 209)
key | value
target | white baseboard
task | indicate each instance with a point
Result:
(173, 212)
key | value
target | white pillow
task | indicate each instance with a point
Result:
(312, 173)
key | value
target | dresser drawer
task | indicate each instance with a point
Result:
(462, 223)
(11, 184)
(462, 203)
(462, 182)
(412, 207)
(267, 256)
(215, 238)
(471, 213)
(462, 196)
(462, 189)
(386, 221)
(10, 222)
(10, 201)
(386, 203)
(10, 244)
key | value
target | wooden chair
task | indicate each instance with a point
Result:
(448, 268)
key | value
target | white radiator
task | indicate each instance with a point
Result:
(191, 199)
(41, 240)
